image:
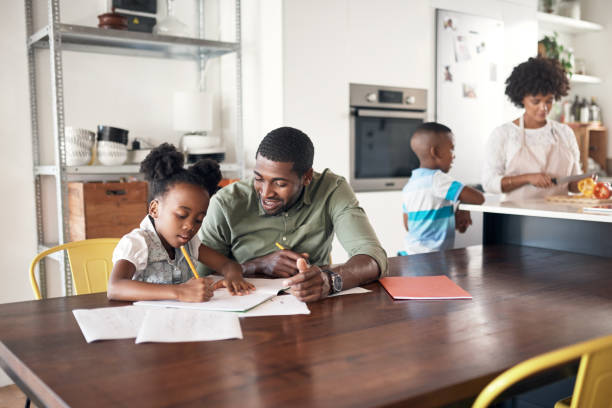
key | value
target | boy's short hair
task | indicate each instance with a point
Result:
(433, 127)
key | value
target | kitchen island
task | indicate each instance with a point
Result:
(544, 224)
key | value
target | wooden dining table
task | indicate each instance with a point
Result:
(362, 350)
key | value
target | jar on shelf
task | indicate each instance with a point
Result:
(580, 67)
(547, 6)
(569, 8)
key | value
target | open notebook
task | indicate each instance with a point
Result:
(222, 301)
(423, 287)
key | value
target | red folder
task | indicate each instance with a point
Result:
(423, 287)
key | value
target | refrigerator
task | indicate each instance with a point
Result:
(469, 94)
(469, 87)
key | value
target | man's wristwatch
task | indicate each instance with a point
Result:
(335, 281)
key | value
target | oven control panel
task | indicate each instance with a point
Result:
(374, 96)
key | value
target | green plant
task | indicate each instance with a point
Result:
(550, 47)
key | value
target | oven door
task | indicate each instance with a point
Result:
(381, 157)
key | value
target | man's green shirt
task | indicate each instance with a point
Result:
(237, 226)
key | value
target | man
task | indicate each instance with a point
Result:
(287, 205)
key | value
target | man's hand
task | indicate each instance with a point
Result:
(195, 290)
(234, 282)
(310, 284)
(462, 220)
(278, 264)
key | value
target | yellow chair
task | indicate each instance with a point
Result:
(90, 264)
(593, 387)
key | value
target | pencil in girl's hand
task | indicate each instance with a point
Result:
(279, 246)
(193, 269)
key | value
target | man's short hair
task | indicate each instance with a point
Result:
(289, 145)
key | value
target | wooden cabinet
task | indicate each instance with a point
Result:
(105, 210)
(592, 142)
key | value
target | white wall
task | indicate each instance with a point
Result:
(18, 242)
(134, 93)
(594, 48)
(328, 44)
(262, 36)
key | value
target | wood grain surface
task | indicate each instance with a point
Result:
(352, 351)
(105, 210)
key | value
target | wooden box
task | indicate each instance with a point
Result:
(105, 210)
(593, 142)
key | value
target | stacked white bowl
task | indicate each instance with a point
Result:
(79, 143)
(194, 142)
(112, 145)
(111, 153)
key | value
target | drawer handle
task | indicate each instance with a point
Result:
(115, 192)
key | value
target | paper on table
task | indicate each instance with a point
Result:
(290, 305)
(423, 287)
(353, 291)
(109, 323)
(177, 325)
(278, 306)
(222, 301)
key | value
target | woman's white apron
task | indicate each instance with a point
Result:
(555, 160)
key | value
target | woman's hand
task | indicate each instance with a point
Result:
(540, 180)
(233, 281)
(195, 290)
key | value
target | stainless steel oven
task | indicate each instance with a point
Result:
(383, 119)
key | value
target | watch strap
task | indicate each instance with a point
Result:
(332, 277)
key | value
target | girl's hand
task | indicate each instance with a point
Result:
(234, 282)
(195, 290)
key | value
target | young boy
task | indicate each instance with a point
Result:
(429, 197)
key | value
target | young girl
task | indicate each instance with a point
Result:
(148, 262)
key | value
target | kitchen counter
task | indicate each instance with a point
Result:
(537, 208)
(544, 224)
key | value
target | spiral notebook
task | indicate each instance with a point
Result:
(438, 287)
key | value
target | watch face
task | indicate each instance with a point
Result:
(337, 282)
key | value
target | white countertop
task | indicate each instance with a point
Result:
(536, 208)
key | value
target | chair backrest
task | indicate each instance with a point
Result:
(593, 383)
(90, 264)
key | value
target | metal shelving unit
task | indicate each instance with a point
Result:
(58, 37)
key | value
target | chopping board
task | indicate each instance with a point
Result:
(577, 199)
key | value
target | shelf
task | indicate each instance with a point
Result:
(584, 79)
(131, 43)
(126, 169)
(58, 256)
(567, 25)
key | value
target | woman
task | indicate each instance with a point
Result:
(524, 156)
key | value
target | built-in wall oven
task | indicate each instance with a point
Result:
(383, 119)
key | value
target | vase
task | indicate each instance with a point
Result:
(172, 25)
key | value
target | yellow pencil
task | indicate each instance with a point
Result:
(193, 269)
(280, 246)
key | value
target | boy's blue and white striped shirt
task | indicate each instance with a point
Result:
(428, 200)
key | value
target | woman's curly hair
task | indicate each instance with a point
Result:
(164, 167)
(537, 76)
